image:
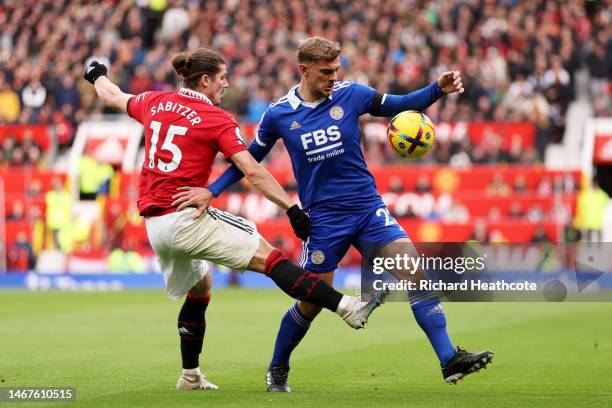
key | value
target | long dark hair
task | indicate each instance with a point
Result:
(191, 66)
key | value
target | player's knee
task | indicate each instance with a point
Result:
(258, 262)
(309, 310)
(203, 288)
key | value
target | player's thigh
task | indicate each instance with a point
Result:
(377, 228)
(330, 238)
(402, 247)
(182, 274)
(219, 237)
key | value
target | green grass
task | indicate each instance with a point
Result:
(121, 349)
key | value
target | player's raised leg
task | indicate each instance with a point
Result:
(191, 329)
(456, 363)
(303, 285)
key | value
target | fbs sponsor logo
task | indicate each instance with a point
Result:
(320, 140)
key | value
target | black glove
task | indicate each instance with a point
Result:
(300, 222)
(94, 71)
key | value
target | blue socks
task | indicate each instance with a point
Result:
(429, 315)
(292, 330)
(427, 311)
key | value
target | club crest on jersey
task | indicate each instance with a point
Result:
(317, 257)
(336, 112)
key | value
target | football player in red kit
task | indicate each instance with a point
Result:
(184, 130)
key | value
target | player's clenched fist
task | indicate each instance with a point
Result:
(300, 222)
(451, 82)
(94, 71)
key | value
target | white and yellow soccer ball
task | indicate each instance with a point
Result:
(411, 134)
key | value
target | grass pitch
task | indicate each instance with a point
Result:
(121, 349)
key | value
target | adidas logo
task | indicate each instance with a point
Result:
(185, 331)
(294, 125)
(435, 309)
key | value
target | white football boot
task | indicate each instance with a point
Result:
(355, 312)
(198, 382)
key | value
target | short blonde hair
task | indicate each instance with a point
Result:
(315, 49)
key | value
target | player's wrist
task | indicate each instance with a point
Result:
(293, 210)
(437, 89)
(213, 190)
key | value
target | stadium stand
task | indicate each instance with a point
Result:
(486, 167)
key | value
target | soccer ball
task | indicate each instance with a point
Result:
(411, 134)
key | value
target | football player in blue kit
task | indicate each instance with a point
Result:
(318, 121)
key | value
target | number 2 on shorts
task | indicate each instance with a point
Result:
(388, 218)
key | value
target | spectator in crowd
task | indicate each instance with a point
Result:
(520, 184)
(59, 203)
(456, 213)
(20, 254)
(535, 214)
(516, 210)
(17, 212)
(498, 186)
(10, 107)
(34, 95)
(423, 185)
(88, 178)
(481, 232)
(34, 189)
(539, 236)
(66, 93)
(8, 146)
(590, 209)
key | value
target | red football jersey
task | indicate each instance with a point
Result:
(183, 133)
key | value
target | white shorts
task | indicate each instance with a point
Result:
(182, 244)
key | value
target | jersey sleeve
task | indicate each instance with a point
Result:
(229, 138)
(265, 138)
(138, 104)
(363, 97)
(259, 148)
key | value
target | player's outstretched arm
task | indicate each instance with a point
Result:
(109, 93)
(390, 105)
(266, 184)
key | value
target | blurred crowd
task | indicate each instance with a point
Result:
(25, 153)
(518, 58)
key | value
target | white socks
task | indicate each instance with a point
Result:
(346, 305)
(192, 373)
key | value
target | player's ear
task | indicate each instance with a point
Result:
(204, 81)
(303, 69)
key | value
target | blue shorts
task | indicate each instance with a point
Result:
(334, 231)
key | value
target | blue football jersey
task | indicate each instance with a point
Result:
(323, 140)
